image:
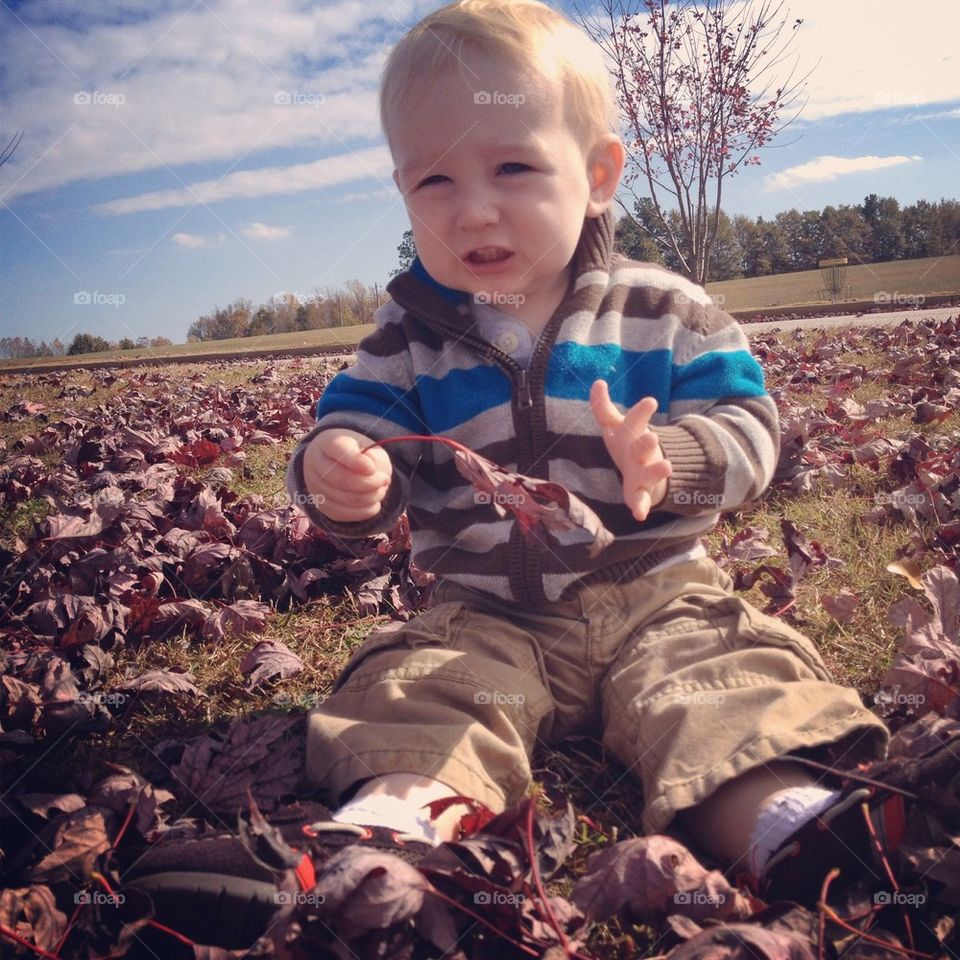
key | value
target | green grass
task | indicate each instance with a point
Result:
(332, 337)
(928, 276)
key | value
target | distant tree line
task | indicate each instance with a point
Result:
(20, 348)
(874, 231)
(289, 313)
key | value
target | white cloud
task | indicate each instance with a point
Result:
(187, 83)
(824, 169)
(372, 162)
(867, 56)
(262, 231)
(381, 193)
(191, 240)
(179, 82)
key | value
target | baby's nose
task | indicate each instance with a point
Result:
(477, 209)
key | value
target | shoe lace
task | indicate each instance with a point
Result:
(361, 832)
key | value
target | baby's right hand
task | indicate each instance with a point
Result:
(346, 485)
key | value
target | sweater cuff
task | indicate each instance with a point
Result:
(695, 485)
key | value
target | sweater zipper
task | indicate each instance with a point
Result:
(531, 584)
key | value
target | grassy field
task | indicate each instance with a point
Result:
(858, 652)
(894, 283)
(898, 282)
(333, 337)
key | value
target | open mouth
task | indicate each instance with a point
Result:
(487, 255)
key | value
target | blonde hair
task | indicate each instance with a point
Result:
(526, 34)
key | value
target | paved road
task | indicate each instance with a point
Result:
(865, 320)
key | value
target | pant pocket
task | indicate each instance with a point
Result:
(742, 627)
(429, 629)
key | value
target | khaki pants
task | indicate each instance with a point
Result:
(688, 686)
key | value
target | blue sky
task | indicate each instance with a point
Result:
(177, 154)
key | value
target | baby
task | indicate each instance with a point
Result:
(521, 334)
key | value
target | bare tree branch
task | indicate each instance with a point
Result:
(7, 152)
(696, 82)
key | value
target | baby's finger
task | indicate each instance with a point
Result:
(333, 474)
(604, 412)
(644, 447)
(641, 505)
(346, 451)
(649, 475)
(638, 416)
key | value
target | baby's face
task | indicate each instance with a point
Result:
(496, 185)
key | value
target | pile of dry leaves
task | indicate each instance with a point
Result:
(143, 544)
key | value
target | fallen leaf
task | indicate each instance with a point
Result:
(909, 569)
(269, 659)
(653, 876)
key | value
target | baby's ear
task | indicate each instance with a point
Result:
(604, 168)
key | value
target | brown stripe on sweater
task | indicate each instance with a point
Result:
(576, 559)
(584, 450)
(453, 522)
(456, 559)
(649, 302)
(395, 338)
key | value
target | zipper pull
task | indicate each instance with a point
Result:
(525, 401)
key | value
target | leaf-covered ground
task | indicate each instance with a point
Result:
(168, 618)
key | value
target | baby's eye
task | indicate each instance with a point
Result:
(514, 167)
(436, 178)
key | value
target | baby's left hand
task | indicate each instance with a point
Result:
(635, 449)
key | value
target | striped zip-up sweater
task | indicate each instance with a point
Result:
(643, 329)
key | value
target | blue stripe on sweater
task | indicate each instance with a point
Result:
(377, 399)
(633, 374)
(461, 395)
(436, 405)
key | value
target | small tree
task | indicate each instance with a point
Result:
(632, 241)
(407, 251)
(87, 343)
(694, 85)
